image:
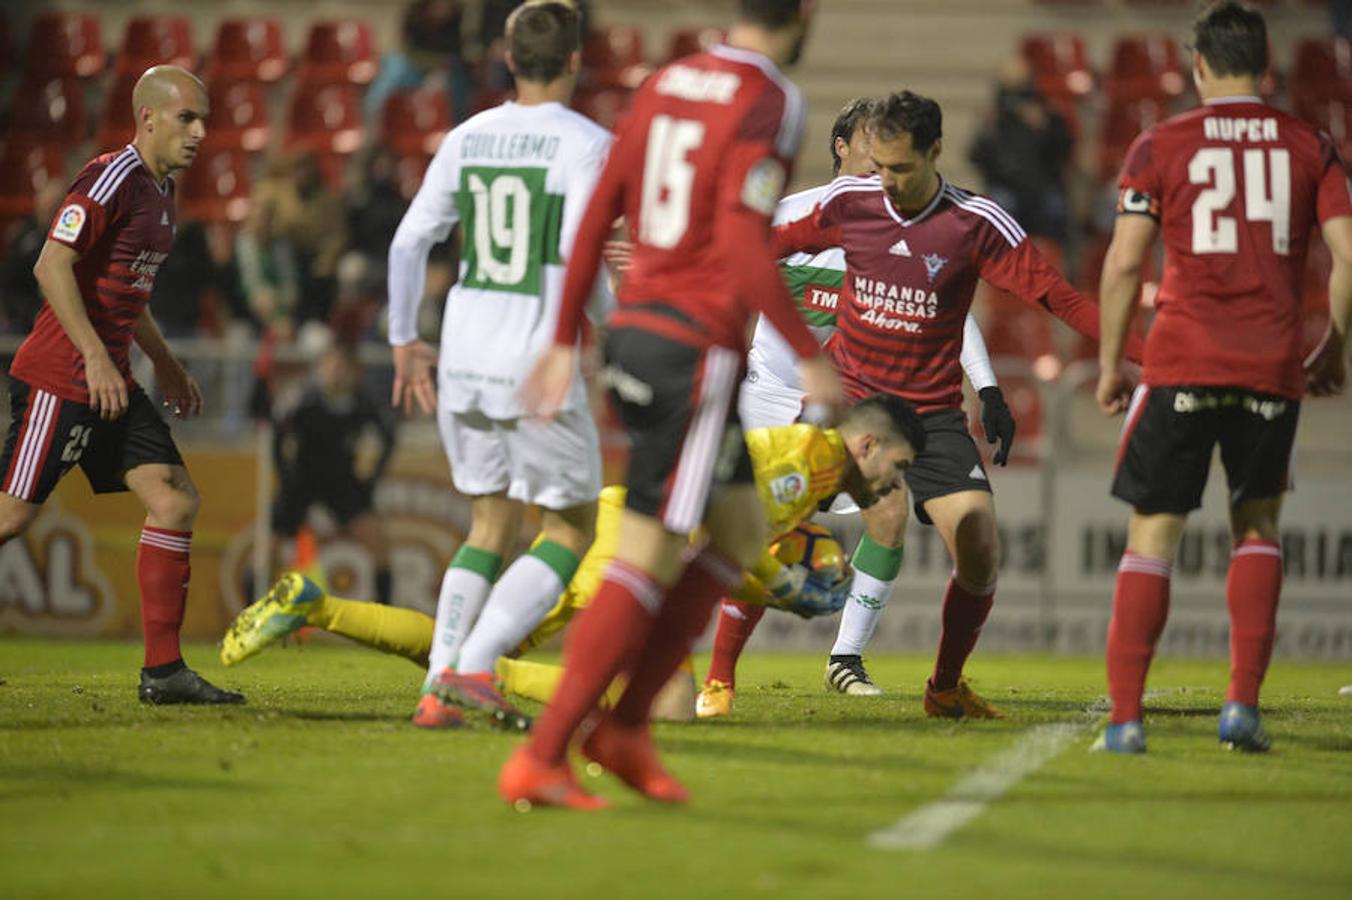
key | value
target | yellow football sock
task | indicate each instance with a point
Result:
(389, 629)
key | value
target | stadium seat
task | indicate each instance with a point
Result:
(1123, 121)
(613, 57)
(1145, 65)
(687, 41)
(416, 121)
(49, 110)
(325, 118)
(239, 115)
(65, 44)
(154, 40)
(1060, 63)
(117, 120)
(341, 51)
(604, 106)
(24, 170)
(216, 187)
(248, 49)
(1322, 71)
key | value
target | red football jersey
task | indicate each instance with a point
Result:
(121, 222)
(696, 170)
(909, 284)
(1236, 187)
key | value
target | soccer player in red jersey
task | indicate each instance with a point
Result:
(72, 396)
(696, 170)
(1235, 187)
(915, 247)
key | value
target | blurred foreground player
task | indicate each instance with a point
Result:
(1234, 186)
(697, 169)
(72, 397)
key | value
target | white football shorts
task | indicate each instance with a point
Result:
(555, 464)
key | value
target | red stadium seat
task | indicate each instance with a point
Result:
(613, 56)
(67, 45)
(415, 121)
(248, 49)
(155, 40)
(604, 106)
(1060, 63)
(239, 115)
(687, 41)
(24, 170)
(49, 110)
(342, 51)
(325, 118)
(1145, 65)
(1124, 120)
(117, 121)
(216, 187)
(1322, 71)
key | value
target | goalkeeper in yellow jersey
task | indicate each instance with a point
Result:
(797, 469)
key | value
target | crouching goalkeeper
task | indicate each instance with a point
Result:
(798, 468)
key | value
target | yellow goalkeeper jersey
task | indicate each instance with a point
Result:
(797, 467)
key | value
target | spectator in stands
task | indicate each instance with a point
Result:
(1022, 152)
(374, 208)
(198, 283)
(310, 215)
(429, 53)
(20, 298)
(268, 271)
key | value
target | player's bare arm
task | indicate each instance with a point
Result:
(1326, 367)
(415, 389)
(55, 273)
(1133, 236)
(179, 390)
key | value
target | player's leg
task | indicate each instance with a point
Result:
(1256, 441)
(876, 562)
(1162, 466)
(45, 439)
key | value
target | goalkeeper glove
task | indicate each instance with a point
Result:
(997, 421)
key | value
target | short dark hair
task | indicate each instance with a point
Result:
(908, 113)
(851, 116)
(770, 13)
(891, 412)
(541, 35)
(1232, 38)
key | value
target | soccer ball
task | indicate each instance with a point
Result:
(814, 548)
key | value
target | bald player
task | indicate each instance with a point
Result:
(73, 400)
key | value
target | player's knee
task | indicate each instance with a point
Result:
(978, 550)
(15, 517)
(174, 505)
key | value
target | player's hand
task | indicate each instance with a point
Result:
(997, 421)
(107, 387)
(415, 389)
(1114, 392)
(179, 390)
(823, 397)
(1326, 367)
(619, 255)
(545, 389)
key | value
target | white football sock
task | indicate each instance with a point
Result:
(520, 600)
(462, 596)
(868, 599)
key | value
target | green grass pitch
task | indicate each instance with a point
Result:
(320, 787)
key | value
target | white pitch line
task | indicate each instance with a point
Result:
(930, 825)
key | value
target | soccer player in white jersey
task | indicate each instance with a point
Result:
(772, 396)
(516, 180)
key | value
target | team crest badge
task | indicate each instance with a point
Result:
(933, 263)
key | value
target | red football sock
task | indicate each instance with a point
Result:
(162, 571)
(685, 613)
(736, 622)
(965, 611)
(1140, 609)
(1251, 591)
(604, 636)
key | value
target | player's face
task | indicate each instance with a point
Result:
(883, 463)
(908, 175)
(855, 158)
(180, 126)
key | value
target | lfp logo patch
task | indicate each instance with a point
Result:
(788, 488)
(69, 223)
